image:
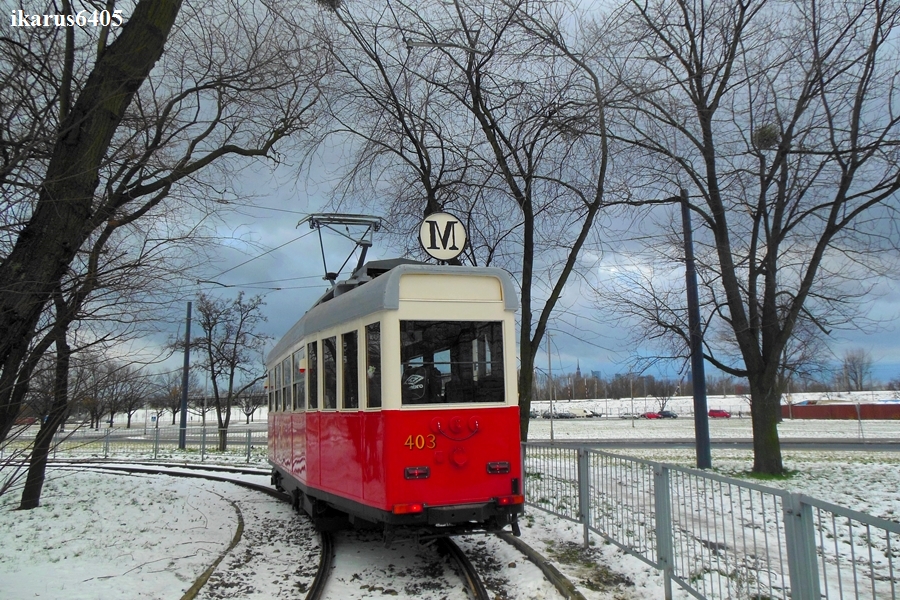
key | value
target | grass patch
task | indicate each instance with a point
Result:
(586, 564)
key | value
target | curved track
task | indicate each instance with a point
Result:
(466, 569)
(326, 543)
(473, 581)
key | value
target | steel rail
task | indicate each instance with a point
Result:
(326, 540)
(562, 583)
(473, 581)
(326, 560)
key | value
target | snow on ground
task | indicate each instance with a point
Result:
(112, 536)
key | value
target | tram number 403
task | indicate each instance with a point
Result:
(420, 442)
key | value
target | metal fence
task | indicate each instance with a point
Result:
(713, 536)
(161, 442)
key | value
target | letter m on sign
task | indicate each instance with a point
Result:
(446, 238)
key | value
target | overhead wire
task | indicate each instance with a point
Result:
(269, 251)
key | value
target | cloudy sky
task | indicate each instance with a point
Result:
(283, 263)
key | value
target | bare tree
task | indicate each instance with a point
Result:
(102, 130)
(135, 392)
(252, 398)
(856, 369)
(894, 384)
(663, 394)
(201, 405)
(230, 347)
(475, 109)
(773, 117)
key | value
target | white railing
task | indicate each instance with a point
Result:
(157, 443)
(714, 536)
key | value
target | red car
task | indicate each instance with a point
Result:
(650, 415)
(719, 414)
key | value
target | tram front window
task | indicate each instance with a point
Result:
(451, 361)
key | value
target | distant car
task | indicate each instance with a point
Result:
(627, 416)
(667, 414)
(533, 414)
(557, 415)
(650, 415)
(596, 413)
(719, 414)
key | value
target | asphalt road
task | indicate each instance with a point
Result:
(835, 444)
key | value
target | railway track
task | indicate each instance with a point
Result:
(319, 583)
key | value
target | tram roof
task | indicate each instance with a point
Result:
(376, 287)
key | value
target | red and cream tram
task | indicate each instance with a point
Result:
(393, 400)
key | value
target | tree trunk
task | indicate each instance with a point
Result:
(65, 214)
(34, 482)
(13, 387)
(765, 410)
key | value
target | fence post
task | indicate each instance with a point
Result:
(106, 444)
(202, 444)
(156, 443)
(664, 544)
(584, 493)
(249, 433)
(800, 538)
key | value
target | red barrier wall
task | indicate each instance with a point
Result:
(841, 411)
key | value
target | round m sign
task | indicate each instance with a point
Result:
(443, 236)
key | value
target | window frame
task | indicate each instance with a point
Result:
(349, 366)
(312, 371)
(374, 372)
(329, 373)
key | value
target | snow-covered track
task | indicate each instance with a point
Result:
(565, 587)
(191, 466)
(466, 570)
(203, 472)
(325, 561)
(473, 581)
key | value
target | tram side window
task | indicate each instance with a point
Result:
(277, 386)
(313, 368)
(286, 384)
(271, 390)
(300, 379)
(350, 370)
(329, 368)
(451, 361)
(373, 365)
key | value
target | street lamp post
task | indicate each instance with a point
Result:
(182, 430)
(550, 376)
(701, 418)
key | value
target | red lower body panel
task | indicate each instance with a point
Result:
(389, 459)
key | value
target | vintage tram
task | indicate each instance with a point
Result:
(393, 402)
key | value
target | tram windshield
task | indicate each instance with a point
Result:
(451, 361)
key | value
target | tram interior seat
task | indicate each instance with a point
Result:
(489, 389)
(458, 391)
